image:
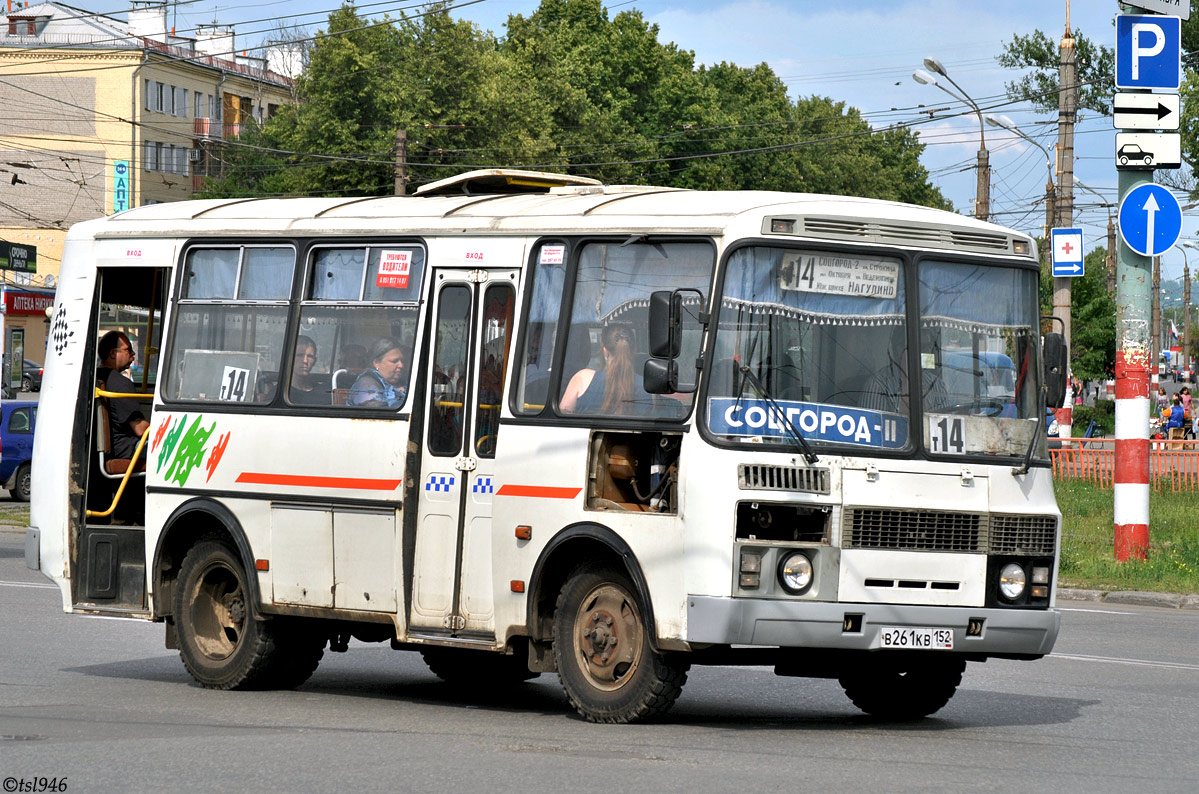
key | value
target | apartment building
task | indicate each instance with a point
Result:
(99, 114)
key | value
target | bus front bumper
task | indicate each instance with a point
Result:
(811, 624)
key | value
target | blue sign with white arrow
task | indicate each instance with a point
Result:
(1067, 252)
(1148, 52)
(1150, 219)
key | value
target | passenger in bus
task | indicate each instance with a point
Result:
(381, 386)
(305, 388)
(615, 390)
(126, 421)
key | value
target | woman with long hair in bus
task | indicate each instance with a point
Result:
(381, 386)
(613, 390)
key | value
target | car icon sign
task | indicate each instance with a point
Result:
(1130, 152)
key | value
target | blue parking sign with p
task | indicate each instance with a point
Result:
(1148, 52)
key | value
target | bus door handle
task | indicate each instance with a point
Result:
(466, 464)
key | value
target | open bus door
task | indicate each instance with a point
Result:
(108, 510)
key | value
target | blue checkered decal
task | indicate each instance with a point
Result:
(440, 482)
(483, 485)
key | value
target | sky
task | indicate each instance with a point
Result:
(862, 53)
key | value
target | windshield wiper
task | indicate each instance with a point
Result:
(1032, 443)
(808, 454)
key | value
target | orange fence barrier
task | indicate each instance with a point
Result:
(1173, 465)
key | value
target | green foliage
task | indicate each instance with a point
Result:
(1103, 414)
(1088, 556)
(1041, 54)
(1093, 321)
(568, 88)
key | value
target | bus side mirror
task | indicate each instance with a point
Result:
(1053, 352)
(660, 376)
(665, 324)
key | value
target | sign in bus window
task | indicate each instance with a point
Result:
(225, 375)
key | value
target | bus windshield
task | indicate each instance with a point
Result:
(827, 335)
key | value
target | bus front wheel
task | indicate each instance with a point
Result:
(903, 688)
(607, 668)
(222, 644)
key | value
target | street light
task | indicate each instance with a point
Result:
(982, 200)
(997, 120)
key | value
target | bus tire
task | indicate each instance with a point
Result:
(903, 688)
(221, 642)
(477, 668)
(607, 668)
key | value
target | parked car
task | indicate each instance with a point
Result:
(31, 376)
(17, 420)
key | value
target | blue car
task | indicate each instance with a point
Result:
(17, 419)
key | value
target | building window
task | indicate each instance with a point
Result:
(151, 156)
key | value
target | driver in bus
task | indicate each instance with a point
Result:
(126, 421)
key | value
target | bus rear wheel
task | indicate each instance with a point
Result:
(607, 668)
(903, 688)
(222, 644)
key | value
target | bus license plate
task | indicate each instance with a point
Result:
(910, 638)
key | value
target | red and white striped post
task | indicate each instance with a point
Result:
(1134, 358)
(1131, 507)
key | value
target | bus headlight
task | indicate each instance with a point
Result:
(795, 572)
(1012, 580)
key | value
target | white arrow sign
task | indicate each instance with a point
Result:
(1151, 210)
(1145, 111)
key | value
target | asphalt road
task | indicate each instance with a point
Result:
(1114, 709)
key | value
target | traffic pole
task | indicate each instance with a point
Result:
(1134, 354)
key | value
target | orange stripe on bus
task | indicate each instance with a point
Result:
(310, 481)
(543, 491)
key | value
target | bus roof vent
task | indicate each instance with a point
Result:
(764, 477)
(499, 181)
(912, 234)
(836, 227)
(986, 240)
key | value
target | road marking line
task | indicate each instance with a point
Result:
(1096, 611)
(1078, 657)
(29, 584)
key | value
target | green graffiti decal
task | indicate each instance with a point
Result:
(191, 451)
(168, 446)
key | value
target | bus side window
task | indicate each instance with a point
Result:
(498, 305)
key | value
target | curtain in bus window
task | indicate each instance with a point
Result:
(211, 273)
(337, 273)
(394, 273)
(607, 345)
(498, 304)
(266, 274)
(545, 305)
(826, 336)
(979, 329)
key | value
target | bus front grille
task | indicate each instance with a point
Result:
(763, 477)
(913, 530)
(930, 530)
(1023, 534)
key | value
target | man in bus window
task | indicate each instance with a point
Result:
(125, 418)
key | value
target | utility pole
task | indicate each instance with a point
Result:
(401, 166)
(1067, 112)
(1155, 322)
(1186, 319)
(1111, 253)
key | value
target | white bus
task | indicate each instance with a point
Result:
(635, 429)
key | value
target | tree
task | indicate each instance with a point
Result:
(1093, 310)
(1039, 52)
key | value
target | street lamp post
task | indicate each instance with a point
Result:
(1186, 300)
(982, 200)
(996, 120)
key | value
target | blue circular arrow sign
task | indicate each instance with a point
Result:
(1150, 219)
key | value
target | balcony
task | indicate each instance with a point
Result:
(208, 128)
(232, 131)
